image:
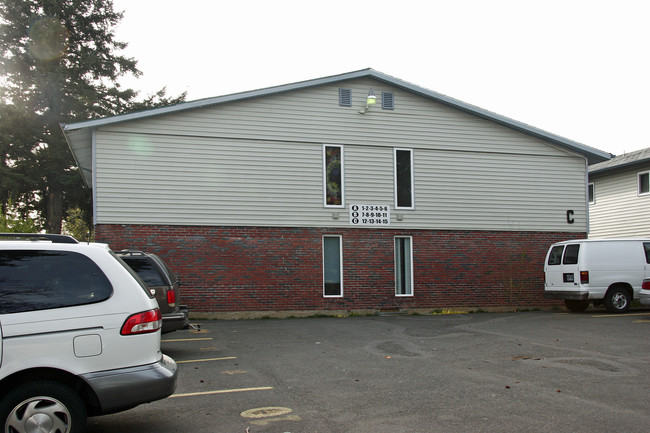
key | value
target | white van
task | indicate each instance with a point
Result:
(609, 271)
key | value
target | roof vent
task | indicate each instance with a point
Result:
(388, 100)
(345, 97)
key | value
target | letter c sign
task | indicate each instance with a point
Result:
(569, 217)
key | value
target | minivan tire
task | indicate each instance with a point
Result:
(52, 406)
(577, 306)
(617, 300)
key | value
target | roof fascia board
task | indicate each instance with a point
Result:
(593, 155)
(489, 115)
(200, 103)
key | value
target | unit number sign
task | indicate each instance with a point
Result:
(369, 215)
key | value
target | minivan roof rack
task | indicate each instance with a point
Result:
(54, 238)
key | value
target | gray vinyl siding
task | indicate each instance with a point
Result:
(259, 162)
(618, 210)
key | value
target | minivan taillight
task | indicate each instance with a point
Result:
(171, 298)
(584, 277)
(142, 323)
(646, 285)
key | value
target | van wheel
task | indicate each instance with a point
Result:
(576, 306)
(617, 300)
(42, 406)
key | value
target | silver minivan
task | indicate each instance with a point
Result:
(79, 335)
(602, 271)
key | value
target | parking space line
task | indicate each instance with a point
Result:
(206, 360)
(623, 315)
(222, 391)
(186, 339)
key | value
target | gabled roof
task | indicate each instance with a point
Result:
(622, 161)
(80, 131)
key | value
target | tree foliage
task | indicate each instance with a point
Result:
(59, 63)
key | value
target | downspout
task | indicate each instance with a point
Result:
(587, 194)
(94, 173)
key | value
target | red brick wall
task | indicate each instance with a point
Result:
(226, 269)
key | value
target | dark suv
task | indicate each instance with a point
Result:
(163, 284)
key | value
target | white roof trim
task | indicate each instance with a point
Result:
(592, 154)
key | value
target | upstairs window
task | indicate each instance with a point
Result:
(404, 179)
(644, 183)
(333, 188)
(592, 193)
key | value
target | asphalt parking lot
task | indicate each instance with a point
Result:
(545, 371)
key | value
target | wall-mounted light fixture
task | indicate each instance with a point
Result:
(371, 100)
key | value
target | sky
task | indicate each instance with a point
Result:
(576, 68)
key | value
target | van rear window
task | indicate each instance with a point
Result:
(571, 254)
(646, 246)
(555, 257)
(32, 280)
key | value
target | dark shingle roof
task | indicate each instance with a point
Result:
(621, 161)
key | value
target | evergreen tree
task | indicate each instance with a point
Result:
(59, 63)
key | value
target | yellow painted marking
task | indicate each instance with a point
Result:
(222, 391)
(205, 360)
(263, 412)
(209, 349)
(186, 339)
(268, 421)
(624, 315)
(231, 372)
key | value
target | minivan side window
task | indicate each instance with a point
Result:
(571, 254)
(32, 280)
(646, 246)
(555, 258)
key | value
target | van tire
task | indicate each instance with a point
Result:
(617, 300)
(55, 405)
(576, 306)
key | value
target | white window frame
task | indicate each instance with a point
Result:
(397, 207)
(593, 193)
(336, 206)
(638, 183)
(398, 267)
(340, 238)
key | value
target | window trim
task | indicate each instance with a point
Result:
(396, 192)
(325, 204)
(638, 183)
(591, 186)
(340, 239)
(410, 267)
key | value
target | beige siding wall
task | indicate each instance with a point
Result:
(618, 210)
(259, 162)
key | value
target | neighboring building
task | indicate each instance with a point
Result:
(619, 196)
(308, 196)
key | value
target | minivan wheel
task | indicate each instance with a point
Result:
(576, 306)
(42, 407)
(617, 300)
